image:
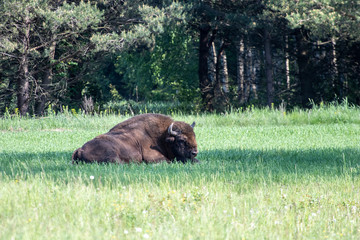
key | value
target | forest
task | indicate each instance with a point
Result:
(194, 56)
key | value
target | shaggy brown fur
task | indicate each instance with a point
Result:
(143, 138)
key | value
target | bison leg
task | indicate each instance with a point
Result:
(96, 150)
(105, 149)
(153, 155)
(185, 160)
(194, 160)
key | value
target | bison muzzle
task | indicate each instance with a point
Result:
(148, 138)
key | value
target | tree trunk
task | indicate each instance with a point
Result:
(212, 63)
(224, 74)
(306, 73)
(221, 83)
(206, 87)
(287, 63)
(46, 82)
(269, 69)
(240, 76)
(254, 71)
(23, 95)
(248, 72)
(338, 84)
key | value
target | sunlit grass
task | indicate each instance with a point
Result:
(264, 175)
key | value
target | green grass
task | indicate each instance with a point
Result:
(264, 175)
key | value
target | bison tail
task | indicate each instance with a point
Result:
(77, 155)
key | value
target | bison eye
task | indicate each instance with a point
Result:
(181, 141)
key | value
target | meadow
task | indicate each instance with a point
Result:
(264, 174)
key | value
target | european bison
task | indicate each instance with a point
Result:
(148, 138)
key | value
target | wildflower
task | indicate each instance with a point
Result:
(92, 177)
(252, 225)
(146, 236)
(353, 209)
(251, 211)
(137, 229)
(126, 231)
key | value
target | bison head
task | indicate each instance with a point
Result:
(181, 138)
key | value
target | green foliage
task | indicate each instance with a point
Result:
(46, 22)
(77, 17)
(151, 20)
(324, 17)
(49, 37)
(163, 73)
(257, 180)
(147, 51)
(156, 61)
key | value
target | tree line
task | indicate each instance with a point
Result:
(210, 55)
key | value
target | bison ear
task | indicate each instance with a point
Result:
(193, 125)
(170, 139)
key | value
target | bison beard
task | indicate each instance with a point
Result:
(146, 138)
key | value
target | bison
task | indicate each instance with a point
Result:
(148, 138)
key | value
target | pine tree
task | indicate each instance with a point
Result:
(41, 36)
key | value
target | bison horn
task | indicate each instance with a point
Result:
(170, 131)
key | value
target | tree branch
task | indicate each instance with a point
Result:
(9, 55)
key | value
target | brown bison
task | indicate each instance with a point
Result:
(148, 138)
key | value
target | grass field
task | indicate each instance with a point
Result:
(263, 175)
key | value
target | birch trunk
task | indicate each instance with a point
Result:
(287, 63)
(224, 74)
(338, 83)
(220, 97)
(212, 63)
(240, 75)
